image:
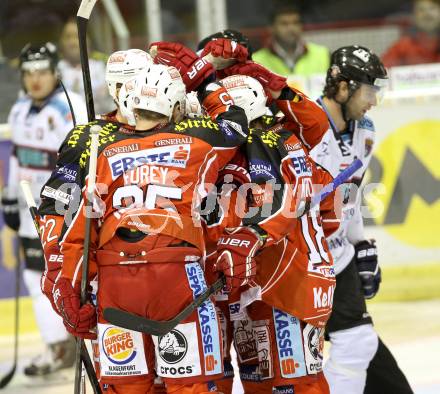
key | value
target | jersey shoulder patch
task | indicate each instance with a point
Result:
(77, 142)
(366, 123)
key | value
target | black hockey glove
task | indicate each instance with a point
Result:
(368, 267)
(10, 213)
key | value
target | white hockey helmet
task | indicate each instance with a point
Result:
(193, 108)
(124, 65)
(248, 94)
(158, 89)
(125, 100)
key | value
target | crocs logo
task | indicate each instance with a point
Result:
(173, 347)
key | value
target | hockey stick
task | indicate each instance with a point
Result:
(339, 180)
(94, 132)
(159, 328)
(137, 323)
(32, 206)
(82, 20)
(8, 377)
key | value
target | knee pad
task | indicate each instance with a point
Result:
(353, 349)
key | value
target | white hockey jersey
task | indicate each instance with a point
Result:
(336, 152)
(37, 134)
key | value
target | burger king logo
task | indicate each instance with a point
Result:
(118, 345)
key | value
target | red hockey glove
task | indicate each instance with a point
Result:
(271, 82)
(193, 69)
(226, 48)
(54, 261)
(236, 252)
(78, 320)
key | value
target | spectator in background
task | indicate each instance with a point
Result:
(421, 43)
(287, 53)
(71, 72)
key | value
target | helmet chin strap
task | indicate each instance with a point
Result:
(352, 87)
(343, 105)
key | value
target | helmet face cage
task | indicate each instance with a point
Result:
(158, 89)
(125, 101)
(193, 109)
(124, 65)
(354, 64)
(41, 57)
(248, 94)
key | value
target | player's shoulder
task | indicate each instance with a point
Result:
(195, 124)
(78, 137)
(20, 103)
(261, 55)
(219, 132)
(74, 97)
(77, 141)
(366, 123)
(59, 102)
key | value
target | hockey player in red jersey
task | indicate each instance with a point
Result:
(308, 122)
(311, 265)
(121, 66)
(173, 162)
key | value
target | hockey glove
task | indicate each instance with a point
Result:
(368, 267)
(194, 70)
(10, 213)
(272, 83)
(78, 320)
(226, 49)
(236, 251)
(54, 261)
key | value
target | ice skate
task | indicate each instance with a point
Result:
(57, 356)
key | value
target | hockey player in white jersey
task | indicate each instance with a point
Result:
(39, 122)
(359, 362)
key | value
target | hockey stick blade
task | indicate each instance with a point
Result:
(156, 327)
(79, 386)
(7, 378)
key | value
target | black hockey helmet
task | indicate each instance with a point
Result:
(38, 57)
(354, 64)
(232, 35)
